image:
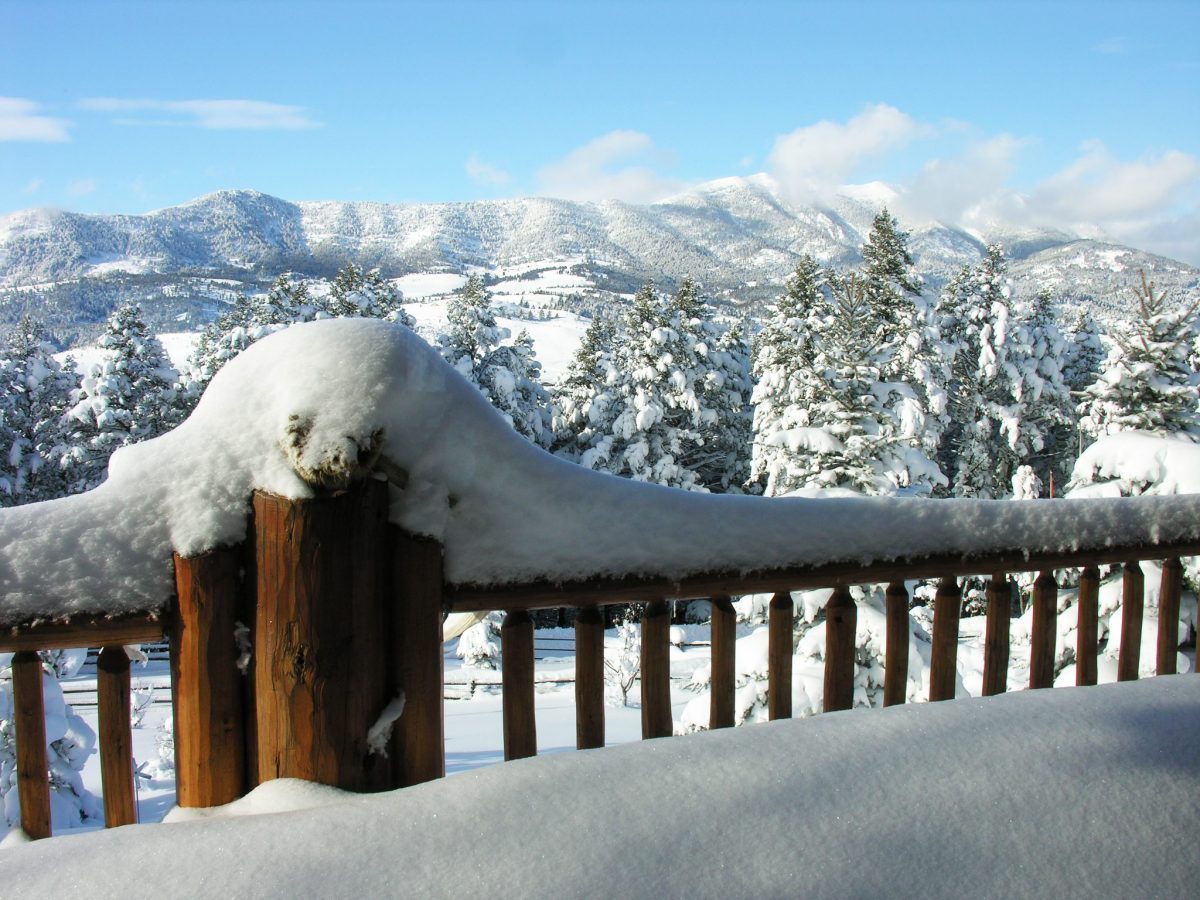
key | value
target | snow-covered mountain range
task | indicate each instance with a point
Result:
(738, 237)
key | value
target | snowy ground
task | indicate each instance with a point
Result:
(1051, 793)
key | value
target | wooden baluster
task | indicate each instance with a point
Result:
(841, 621)
(29, 712)
(1087, 636)
(721, 690)
(1168, 617)
(779, 657)
(895, 675)
(996, 639)
(656, 671)
(116, 742)
(1133, 601)
(1044, 632)
(207, 688)
(418, 665)
(589, 678)
(943, 664)
(516, 649)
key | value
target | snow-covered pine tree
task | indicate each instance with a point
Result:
(584, 388)
(130, 395)
(509, 375)
(673, 394)
(913, 357)
(1007, 396)
(1148, 382)
(785, 381)
(358, 294)
(852, 440)
(35, 392)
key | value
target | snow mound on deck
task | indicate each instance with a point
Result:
(325, 397)
(1074, 792)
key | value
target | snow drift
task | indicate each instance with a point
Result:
(327, 397)
(1045, 793)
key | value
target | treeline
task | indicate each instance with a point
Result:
(857, 380)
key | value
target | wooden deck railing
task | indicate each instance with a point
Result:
(341, 612)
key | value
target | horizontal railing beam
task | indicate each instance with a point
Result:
(83, 631)
(605, 591)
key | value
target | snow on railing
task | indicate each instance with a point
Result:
(339, 489)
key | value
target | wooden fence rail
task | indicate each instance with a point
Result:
(285, 651)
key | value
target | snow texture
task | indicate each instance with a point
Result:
(1087, 792)
(323, 397)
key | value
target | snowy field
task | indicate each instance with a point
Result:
(1055, 793)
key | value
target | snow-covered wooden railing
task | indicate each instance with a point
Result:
(321, 530)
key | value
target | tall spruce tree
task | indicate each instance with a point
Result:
(35, 392)
(1149, 382)
(130, 395)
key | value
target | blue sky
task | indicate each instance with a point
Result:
(1080, 115)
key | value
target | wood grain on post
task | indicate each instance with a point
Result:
(1133, 601)
(1044, 632)
(1168, 616)
(895, 673)
(943, 664)
(996, 639)
(206, 685)
(418, 665)
(779, 656)
(33, 774)
(516, 666)
(116, 742)
(720, 707)
(656, 671)
(1088, 633)
(321, 636)
(841, 621)
(589, 678)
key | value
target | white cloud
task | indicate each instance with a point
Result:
(33, 187)
(82, 187)
(1113, 46)
(963, 189)
(217, 115)
(818, 158)
(620, 165)
(22, 120)
(485, 173)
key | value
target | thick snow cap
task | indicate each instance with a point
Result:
(323, 397)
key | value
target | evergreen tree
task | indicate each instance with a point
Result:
(509, 375)
(35, 392)
(132, 394)
(1148, 382)
(583, 389)
(358, 294)
(785, 381)
(671, 407)
(1008, 401)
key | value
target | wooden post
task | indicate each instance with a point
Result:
(417, 584)
(516, 666)
(943, 665)
(1168, 617)
(116, 743)
(1044, 631)
(29, 714)
(656, 671)
(1087, 635)
(841, 621)
(721, 691)
(206, 684)
(779, 656)
(895, 673)
(996, 639)
(1133, 601)
(589, 678)
(321, 636)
